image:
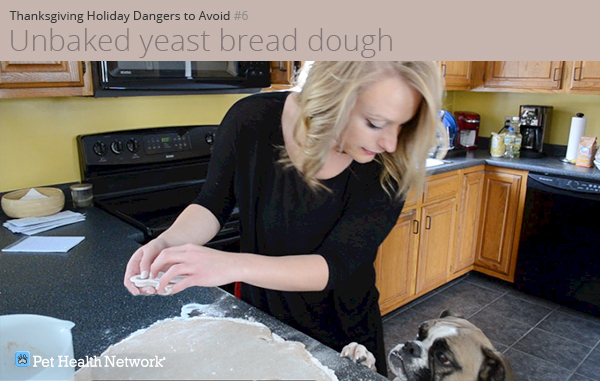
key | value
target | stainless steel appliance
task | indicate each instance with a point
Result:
(558, 255)
(147, 177)
(134, 78)
(535, 123)
(468, 129)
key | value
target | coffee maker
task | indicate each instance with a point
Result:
(468, 129)
(534, 126)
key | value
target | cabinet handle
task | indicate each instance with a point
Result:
(281, 68)
(554, 74)
(575, 78)
(428, 223)
(443, 70)
(415, 227)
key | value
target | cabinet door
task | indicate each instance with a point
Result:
(498, 240)
(468, 221)
(457, 74)
(283, 73)
(19, 74)
(524, 74)
(436, 244)
(585, 76)
(27, 79)
(396, 263)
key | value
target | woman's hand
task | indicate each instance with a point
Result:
(198, 265)
(139, 264)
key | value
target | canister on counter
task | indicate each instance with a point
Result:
(82, 195)
(497, 146)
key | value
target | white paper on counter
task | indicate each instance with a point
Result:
(43, 245)
(34, 225)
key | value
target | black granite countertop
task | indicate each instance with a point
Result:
(546, 165)
(85, 286)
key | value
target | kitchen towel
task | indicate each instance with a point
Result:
(578, 125)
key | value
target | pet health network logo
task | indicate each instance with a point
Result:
(22, 358)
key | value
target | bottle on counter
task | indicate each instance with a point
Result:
(516, 125)
(509, 143)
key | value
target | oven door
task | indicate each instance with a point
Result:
(559, 259)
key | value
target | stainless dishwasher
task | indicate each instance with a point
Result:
(559, 252)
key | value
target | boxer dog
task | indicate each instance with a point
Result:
(449, 348)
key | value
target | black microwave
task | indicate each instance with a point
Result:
(135, 78)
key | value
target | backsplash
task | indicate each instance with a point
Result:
(37, 136)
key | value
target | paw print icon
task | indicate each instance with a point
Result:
(22, 358)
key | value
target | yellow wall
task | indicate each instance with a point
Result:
(37, 136)
(493, 107)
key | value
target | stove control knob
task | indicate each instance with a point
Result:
(117, 147)
(133, 145)
(100, 149)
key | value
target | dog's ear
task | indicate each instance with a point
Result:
(446, 313)
(495, 367)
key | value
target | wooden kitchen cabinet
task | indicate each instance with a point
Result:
(583, 77)
(23, 79)
(283, 74)
(415, 258)
(501, 219)
(469, 216)
(525, 75)
(457, 74)
(396, 263)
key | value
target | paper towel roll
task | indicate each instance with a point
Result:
(578, 124)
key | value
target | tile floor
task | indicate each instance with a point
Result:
(542, 340)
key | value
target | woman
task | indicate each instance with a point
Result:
(319, 178)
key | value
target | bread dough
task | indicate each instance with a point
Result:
(153, 282)
(203, 348)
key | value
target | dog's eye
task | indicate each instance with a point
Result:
(442, 358)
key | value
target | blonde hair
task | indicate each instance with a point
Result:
(327, 98)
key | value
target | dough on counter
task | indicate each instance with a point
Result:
(203, 348)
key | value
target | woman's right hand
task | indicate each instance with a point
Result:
(139, 264)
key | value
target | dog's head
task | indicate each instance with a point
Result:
(449, 348)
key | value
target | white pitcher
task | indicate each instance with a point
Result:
(47, 340)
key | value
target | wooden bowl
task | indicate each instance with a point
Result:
(14, 207)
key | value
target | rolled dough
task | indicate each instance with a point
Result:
(203, 348)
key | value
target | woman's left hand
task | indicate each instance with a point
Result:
(198, 265)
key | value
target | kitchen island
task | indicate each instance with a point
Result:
(85, 286)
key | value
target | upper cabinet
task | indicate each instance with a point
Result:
(584, 77)
(24, 79)
(576, 77)
(523, 74)
(283, 74)
(457, 74)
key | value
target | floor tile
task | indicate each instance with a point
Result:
(499, 328)
(462, 298)
(519, 309)
(555, 349)
(542, 340)
(579, 377)
(530, 368)
(591, 366)
(584, 331)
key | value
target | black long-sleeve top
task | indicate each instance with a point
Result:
(280, 215)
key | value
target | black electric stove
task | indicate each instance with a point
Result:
(148, 176)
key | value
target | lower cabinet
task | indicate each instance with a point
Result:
(464, 220)
(500, 227)
(396, 263)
